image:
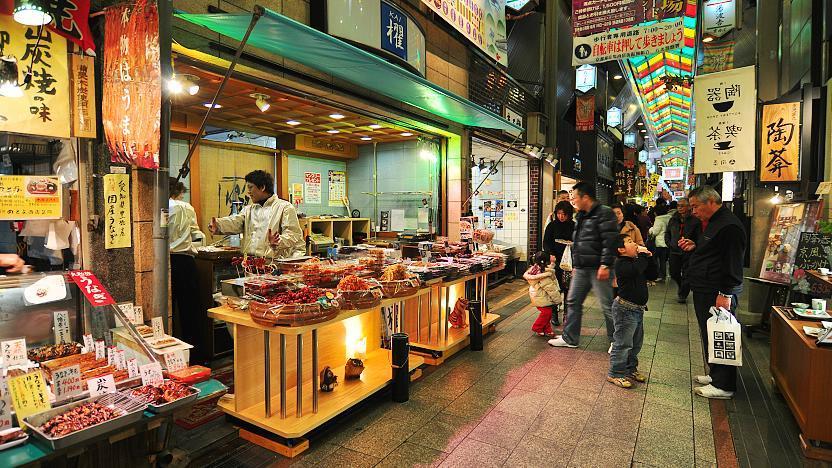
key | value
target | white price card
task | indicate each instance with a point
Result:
(67, 382)
(111, 355)
(101, 385)
(138, 315)
(5, 407)
(127, 310)
(132, 368)
(158, 326)
(121, 359)
(14, 352)
(175, 361)
(100, 352)
(61, 326)
(89, 343)
(151, 374)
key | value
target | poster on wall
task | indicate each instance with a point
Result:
(42, 107)
(482, 22)
(337, 187)
(30, 197)
(726, 112)
(788, 221)
(312, 188)
(780, 143)
(297, 194)
(632, 42)
(117, 226)
(585, 113)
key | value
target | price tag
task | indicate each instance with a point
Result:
(67, 382)
(28, 395)
(121, 359)
(126, 309)
(99, 350)
(61, 326)
(132, 368)
(138, 315)
(824, 188)
(175, 361)
(151, 374)
(158, 326)
(101, 385)
(111, 355)
(14, 352)
(89, 343)
(5, 406)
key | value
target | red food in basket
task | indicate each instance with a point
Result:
(353, 283)
(301, 296)
(190, 375)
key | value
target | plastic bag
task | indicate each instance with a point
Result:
(566, 259)
(724, 338)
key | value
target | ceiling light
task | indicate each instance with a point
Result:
(406, 134)
(175, 86)
(292, 122)
(366, 138)
(641, 124)
(333, 131)
(261, 101)
(707, 39)
(28, 13)
(336, 116)
(643, 131)
(208, 105)
(375, 126)
(9, 75)
(190, 83)
(617, 77)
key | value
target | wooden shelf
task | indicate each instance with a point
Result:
(377, 374)
(455, 336)
(243, 318)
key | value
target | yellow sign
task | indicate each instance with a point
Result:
(780, 143)
(29, 395)
(30, 197)
(43, 109)
(117, 228)
(83, 96)
(650, 189)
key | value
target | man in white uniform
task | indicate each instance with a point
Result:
(269, 225)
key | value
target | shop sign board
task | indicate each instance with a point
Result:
(117, 227)
(43, 109)
(613, 116)
(624, 43)
(585, 113)
(630, 139)
(718, 17)
(603, 151)
(312, 187)
(29, 395)
(586, 78)
(337, 187)
(780, 143)
(30, 197)
(673, 173)
(91, 287)
(651, 187)
(84, 121)
(320, 146)
(726, 113)
(717, 56)
(482, 22)
(592, 16)
(813, 251)
(513, 116)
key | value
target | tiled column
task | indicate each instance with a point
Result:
(456, 181)
(535, 217)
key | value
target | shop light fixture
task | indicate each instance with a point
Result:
(29, 13)
(208, 105)
(181, 83)
(374, 126)
(293, 123)
(261, 101)
(366, 138)
(336, 116)
(618, 76)
(9, 87)
(641, 124)
(333, 131)
(776, 198)
(406, 134)
(707, 39)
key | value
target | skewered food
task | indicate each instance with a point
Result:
(167, 392)
(395, 272)
(78, 418)
(53, 351)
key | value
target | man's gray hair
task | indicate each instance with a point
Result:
(705, 193)
(683, 199)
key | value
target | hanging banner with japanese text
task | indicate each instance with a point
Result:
(117, 227)
(43, 109)
(726, 111)
(717, 57)
(337, 187)
(83, 96)
(585, 113)
(30, 197)
(780, 143)
(482, 22)
(91, 287)
(631, 42)
(718, 17)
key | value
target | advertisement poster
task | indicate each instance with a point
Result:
(482, 22)
(585, 113)
(780, 143)
(632, 42)
(673, 173)
(787, 222)
(297, 193)
(43, 106)
(726, 112)
(30, 197)
(312, 188)
(337, 187)
(592, 16)
(117, 226)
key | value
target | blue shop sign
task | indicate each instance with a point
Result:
(393, 30)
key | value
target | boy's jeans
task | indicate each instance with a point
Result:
(584, 279)
(629, 336)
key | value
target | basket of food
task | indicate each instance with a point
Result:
(82, 420)
(269, 285)
(166, 397)
(295, 308)
(358, 293)
(396, 281)
(324, 275)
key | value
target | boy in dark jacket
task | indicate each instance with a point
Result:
(628, 313)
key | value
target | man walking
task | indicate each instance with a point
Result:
(715, 275)
(681, 226)
(593, 254)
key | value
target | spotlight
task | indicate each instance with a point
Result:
(483, 167)
(333, 131)
(208, 105)
(374, 126)
(776, 198)
(30, 14)
(175, 86)
(191, 84)
(406, 134)
(707, 39)
(293, 123)
(617, 77)
(641, 124)
(366, 138)
(9, 86)
(181, 83)
(261, 101)
(336, 116)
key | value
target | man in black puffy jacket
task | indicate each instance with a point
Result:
(593, 255)
(682, 225)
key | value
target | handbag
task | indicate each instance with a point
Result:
(724, 338)
(566, 259)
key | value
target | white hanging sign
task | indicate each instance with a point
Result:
(718, 17)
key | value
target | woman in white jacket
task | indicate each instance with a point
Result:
(544, 292)
(657, 232)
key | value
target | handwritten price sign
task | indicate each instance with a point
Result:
(28, 394)
(14, 352)
(67, 382)
(151, 374)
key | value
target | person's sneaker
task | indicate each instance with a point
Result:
(638, 377)
(620, 382)
(709, 391)
(609, 351)
(559, 342)
(703, 379)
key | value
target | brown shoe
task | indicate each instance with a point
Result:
(620, 382)
(638, 377)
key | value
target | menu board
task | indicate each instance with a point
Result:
(813, 251)
(788, 222)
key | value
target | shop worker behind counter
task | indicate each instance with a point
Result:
(715, 275)
(269, 225)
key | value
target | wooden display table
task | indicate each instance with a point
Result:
(802, 372)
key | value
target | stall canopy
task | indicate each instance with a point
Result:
(286, 37)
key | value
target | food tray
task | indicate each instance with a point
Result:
(36, 420)
(175, 404)
(809, 314)
(16, 442)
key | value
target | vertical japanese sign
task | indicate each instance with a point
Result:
(337, 187)
(29, 395)
(117, 227)
(92, 289)
(585, 113)
(726, 112)
(483, 22)
(393, 30)
(718, 17)
(30, 197)
(44, 107)
(60, 323)
(83, 96)
(312, 187)
(780, 143)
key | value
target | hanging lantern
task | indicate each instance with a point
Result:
(29, 13)
(9, 87)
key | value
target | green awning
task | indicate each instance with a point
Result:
(288, 38)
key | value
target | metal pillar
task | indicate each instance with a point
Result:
(299, 372)
(315, 371)
(282, 376)
(161, 247)
(267, 364)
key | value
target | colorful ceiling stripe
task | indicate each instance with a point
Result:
(667, 110)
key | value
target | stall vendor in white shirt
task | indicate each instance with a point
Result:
(269, 225)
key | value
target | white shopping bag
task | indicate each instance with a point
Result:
(724, 338)
(566, 259)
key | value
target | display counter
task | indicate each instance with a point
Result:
(802, 372)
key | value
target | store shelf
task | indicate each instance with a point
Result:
(243, 318)
(455, 336)
(377, 374)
